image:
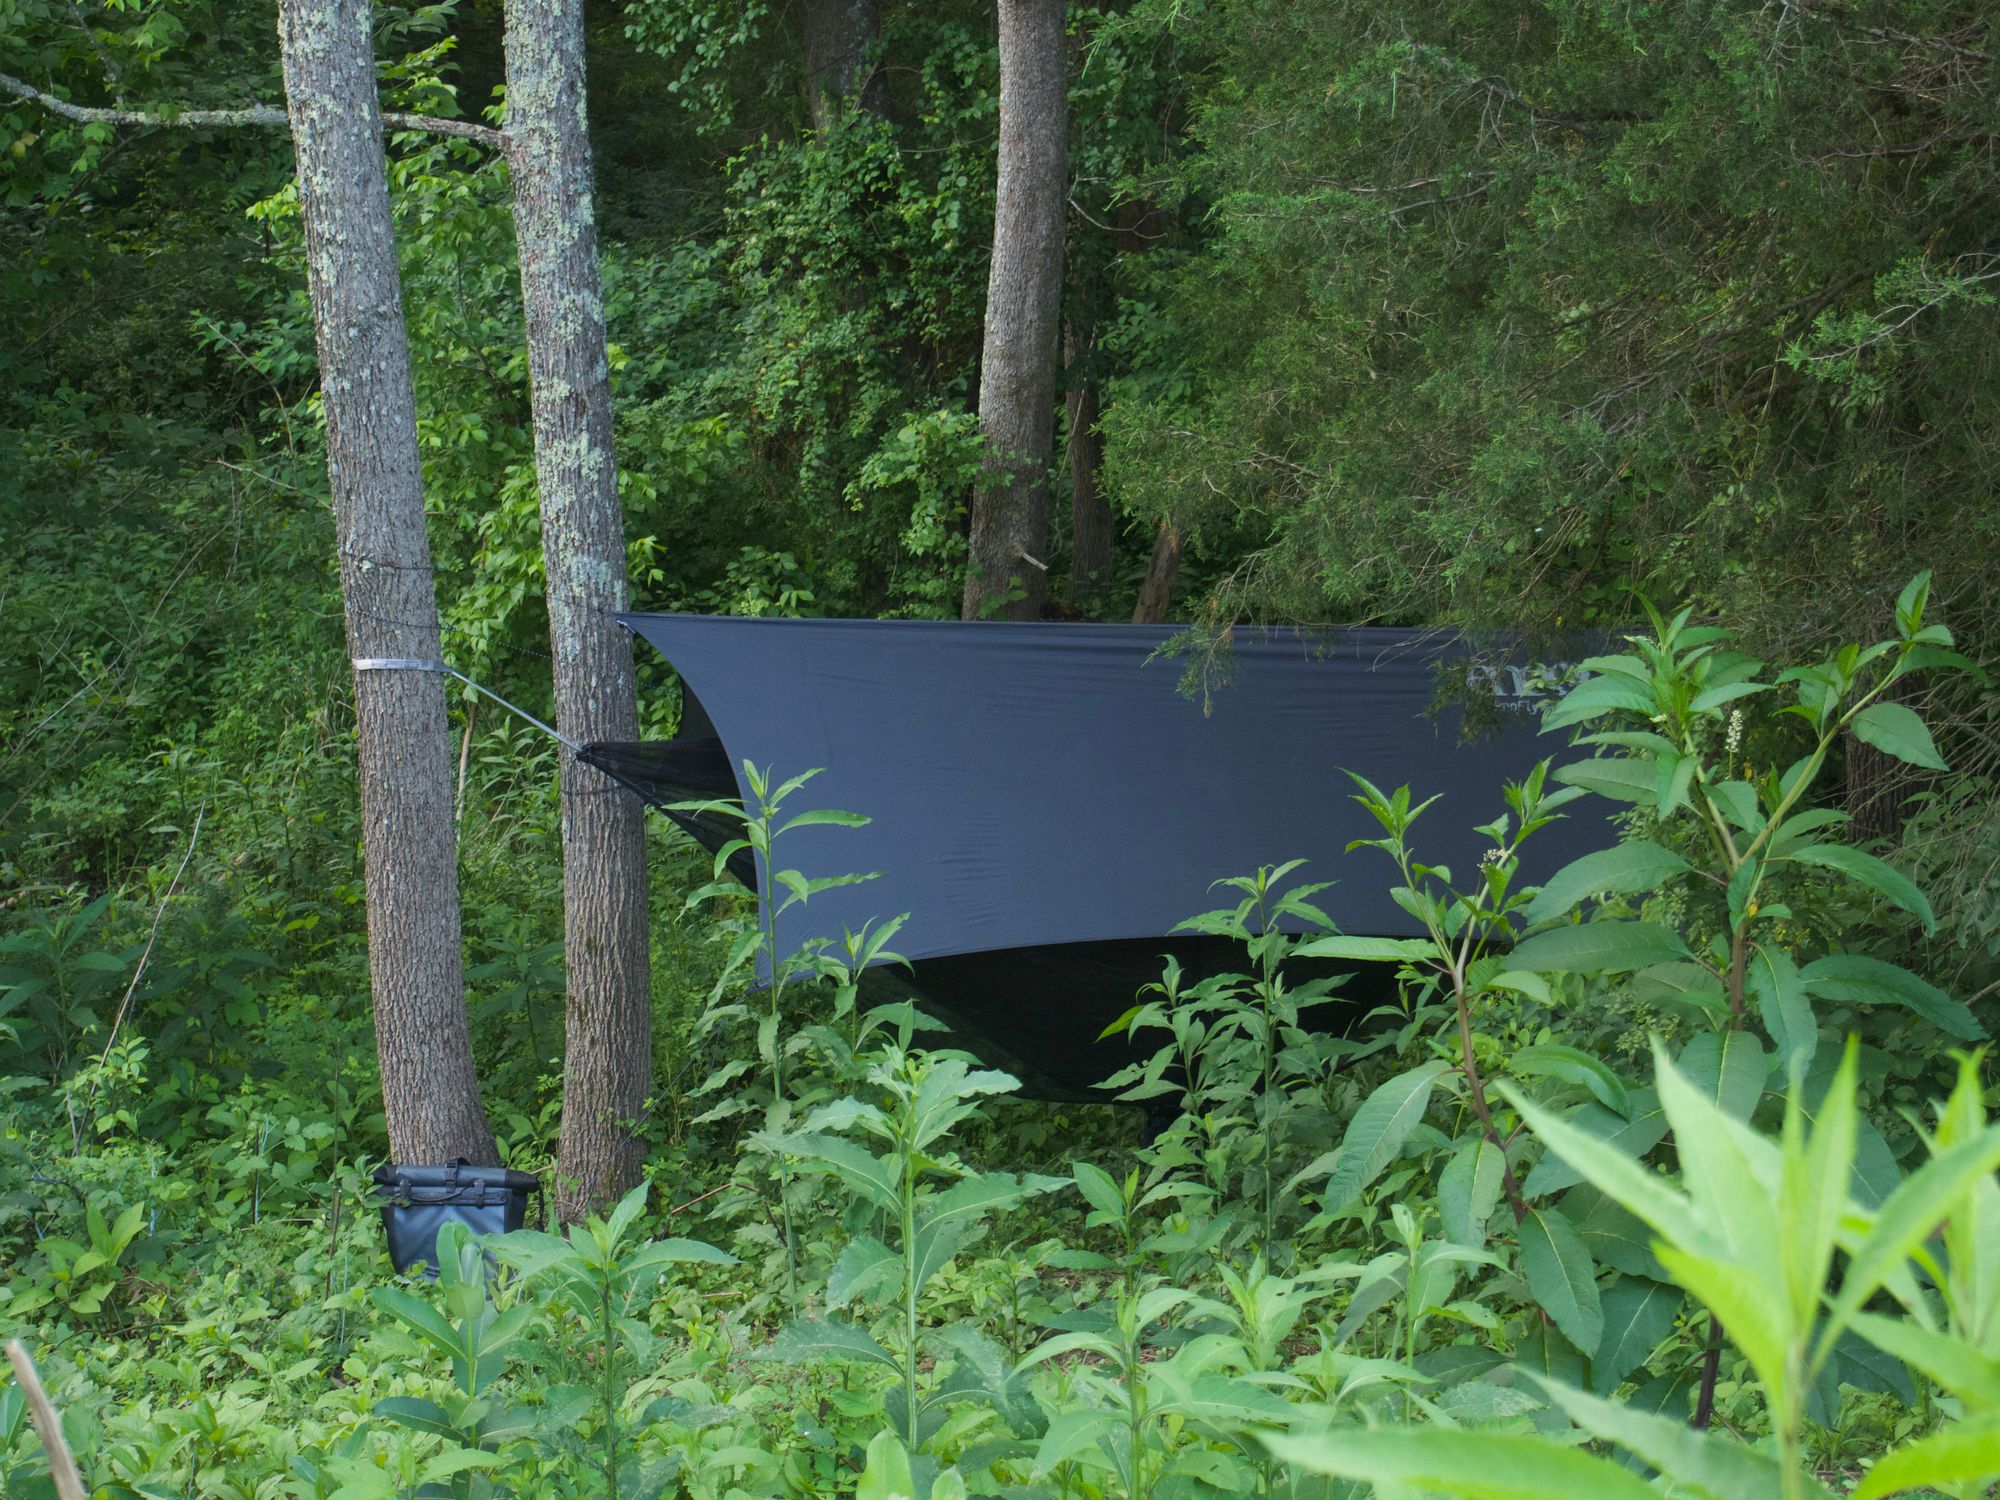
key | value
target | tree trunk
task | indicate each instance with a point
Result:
(1090, 512)
(430, 1093)
(841, 37)
(608, 1052)
(1017, 367)
(1157, 592)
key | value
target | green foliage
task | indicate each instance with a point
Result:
(1754, 1230)
(1519, 1265)
(1404, 313)
(754, 941)
(1250, 1071)
(911, 1230)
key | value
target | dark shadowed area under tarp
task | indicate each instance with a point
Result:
(1047, 803)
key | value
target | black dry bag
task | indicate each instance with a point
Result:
(418, 1201)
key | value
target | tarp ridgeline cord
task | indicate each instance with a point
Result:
(420, 664)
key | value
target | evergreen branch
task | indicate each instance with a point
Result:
(254, 114)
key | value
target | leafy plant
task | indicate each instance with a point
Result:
(1673, 715)
(1755, 1229)
(58, 984)
(594, 1280)
(757, 941)
(909, 1101)
(78, 1277)
(1240, 1056)
(1141, 1418)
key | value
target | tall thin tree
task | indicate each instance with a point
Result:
(607, 1062)
(429, 1090)
(1019, 361)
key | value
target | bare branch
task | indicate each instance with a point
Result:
(254, 114)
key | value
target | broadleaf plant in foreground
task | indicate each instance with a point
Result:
(1765, 1233)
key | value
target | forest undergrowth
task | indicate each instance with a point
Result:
(1663, 1176)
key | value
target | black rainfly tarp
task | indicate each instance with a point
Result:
(1047, 802)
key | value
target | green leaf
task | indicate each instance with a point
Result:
(1070, 1434)
(1645, 1128)
(1737, 801)
(874, 1177)
(1687, 989)
(419, 1317)
(1861, 1365)
(1100, 1189)
(1469, 1465)
(1627, 666)
(1911, 601)
(1597, 697)
(1638, 1313)
(864, 1267)
(1871, 981)
(888, 1475)
(1731, 1173)
(1884, 879)
(673, 1252)
(1572, 1066)
(1635, 866)
(1875, 1172)
(824, 817)
(1599, 948)
(1376, 1133)
(1896, 730)
(971, 1199)
(1612, 776)
(1469, 1191)
(625, 1213)
(1959, 1453)
(1616, 1236)
(1772, 978)
(807, 1339)
(1523, 982)
(1557, 1267)
(1224, 1399)
(1729, 1068)
(1728, 692)
(1911, 1214)
(444, 1464)
(418, 1415)
(935, 1245)
(1750, 1305)
(1699, 1465)
(1626, 1181)
(1672, 779)
(1367, 949)
(983, 1371)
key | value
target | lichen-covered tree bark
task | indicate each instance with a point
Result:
(841, 37)
(409, 844)
(1018, 365)
(607, 1062)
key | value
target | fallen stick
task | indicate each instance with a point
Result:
(62, 1467)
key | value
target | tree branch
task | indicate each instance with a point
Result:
(255, 114)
